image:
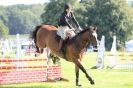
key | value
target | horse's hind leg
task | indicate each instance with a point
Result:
(77, 62)
(37, 49)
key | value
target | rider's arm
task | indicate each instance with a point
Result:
(77, 24)
(74, 20)
(67, 23)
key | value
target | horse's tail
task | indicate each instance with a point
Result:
(33, 36)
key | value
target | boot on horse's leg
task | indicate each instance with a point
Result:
(60, 46)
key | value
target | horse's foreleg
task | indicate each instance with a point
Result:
(77, 62)
(77, 75)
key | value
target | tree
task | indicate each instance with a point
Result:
(81, 12)
(53, 11)
(112, 17)
(3, 15)
(3, 30)
(23, 18)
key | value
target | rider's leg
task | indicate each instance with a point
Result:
(60, 45)
(62, 32)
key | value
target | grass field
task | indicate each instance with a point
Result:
(105, 78)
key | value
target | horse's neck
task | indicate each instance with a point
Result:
(81, 44)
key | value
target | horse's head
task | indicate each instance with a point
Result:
(93, 37)
(88, 36)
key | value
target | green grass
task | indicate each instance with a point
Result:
(105, 78)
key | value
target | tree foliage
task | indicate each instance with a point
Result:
(53, 11)
(3, 30)
(21, 19)
(112, 17)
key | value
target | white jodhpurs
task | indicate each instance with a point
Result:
(64, 32)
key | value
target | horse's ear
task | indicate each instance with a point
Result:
(92, 28)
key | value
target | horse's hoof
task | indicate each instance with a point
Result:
(92, 82)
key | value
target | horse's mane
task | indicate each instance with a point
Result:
(86, 29)
(81, 32)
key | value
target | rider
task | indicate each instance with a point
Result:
(65, 29)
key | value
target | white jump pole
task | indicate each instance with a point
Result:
(113, 52)
(18, 47)
(19, 52)
(100, 54)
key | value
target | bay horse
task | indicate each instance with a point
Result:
(46, 36)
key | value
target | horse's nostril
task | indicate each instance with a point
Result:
(95, 49)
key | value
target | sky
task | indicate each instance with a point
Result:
(13, 2)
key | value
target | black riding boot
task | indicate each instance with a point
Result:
(60, 46)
